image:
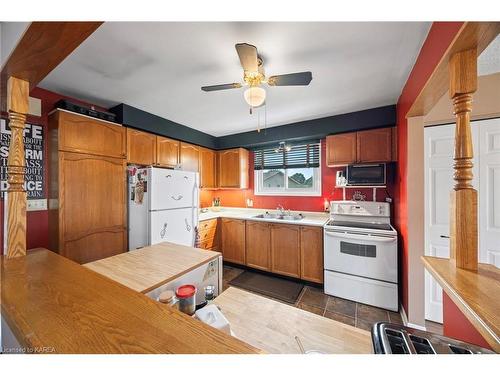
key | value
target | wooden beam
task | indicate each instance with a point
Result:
(463, 204)
(43, 46)
(17, 105)
(472, 35)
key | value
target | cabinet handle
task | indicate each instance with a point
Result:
(443, 236)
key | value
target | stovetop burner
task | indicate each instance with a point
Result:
(358, 224)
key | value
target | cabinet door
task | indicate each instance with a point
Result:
(341, 149)
(85, 135)
(141, 147)
(374, 145)
(311, 254)
(233, 240)
(167, 152)
(258, 245)
(92, 206)
(189, 157)
(233, 168)
(394, 140)
(285, 249)
(207, 168)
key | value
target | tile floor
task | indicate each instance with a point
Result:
(314, 300)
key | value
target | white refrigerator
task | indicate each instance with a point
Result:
(162, 206)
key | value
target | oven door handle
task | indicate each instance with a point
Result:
(360, 237)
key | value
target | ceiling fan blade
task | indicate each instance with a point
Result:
(248, 57)
(222, 87)
(292, 79)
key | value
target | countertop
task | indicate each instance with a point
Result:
(49, 301)
(272, 326)
(476, 294)
(311, 218)
(150, 267)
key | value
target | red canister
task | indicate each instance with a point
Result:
(186, 294)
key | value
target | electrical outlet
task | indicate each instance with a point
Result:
(36, 205)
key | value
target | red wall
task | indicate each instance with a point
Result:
(456, 324)
(37, 221)
(237, 198)
(439, 38)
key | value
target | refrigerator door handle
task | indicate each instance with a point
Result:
(188, 227)
(163, 231)
(178, 198)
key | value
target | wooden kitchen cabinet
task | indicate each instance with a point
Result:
(341, 149)
(209, 234)
(258, 245)
(77, 133)
(367, 146)
(311, 253)
(285, 249)
(208, 178)
(167, 151)
(233, 168)
(189, 157)
(374, 145)
(141, 147)
(233, 240)
(394, 140)
(86, 187)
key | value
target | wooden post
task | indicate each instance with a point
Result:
(17, 106)
(463, 207)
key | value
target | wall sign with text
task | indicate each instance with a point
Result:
(33, 147)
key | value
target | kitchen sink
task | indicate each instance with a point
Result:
(268, 215)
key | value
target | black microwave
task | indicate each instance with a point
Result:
(366, 174)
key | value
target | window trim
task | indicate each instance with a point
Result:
(316, 191)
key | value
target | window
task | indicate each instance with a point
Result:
(288, 170)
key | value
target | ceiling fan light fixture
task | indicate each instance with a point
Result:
(255, 96)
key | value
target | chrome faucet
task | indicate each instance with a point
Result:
(281, 209)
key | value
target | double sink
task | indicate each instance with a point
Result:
(288, 217)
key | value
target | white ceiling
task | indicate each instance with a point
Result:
(489, 60)
(160, 67)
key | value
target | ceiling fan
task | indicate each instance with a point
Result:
(254, 77)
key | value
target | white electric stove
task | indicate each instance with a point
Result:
(361, 253)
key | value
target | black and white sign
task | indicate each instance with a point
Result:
(33, 141)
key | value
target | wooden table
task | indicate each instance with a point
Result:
(49, 301)
(150, 267)
(476, 294)
(272, 326)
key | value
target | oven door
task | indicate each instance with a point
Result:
(367, 255)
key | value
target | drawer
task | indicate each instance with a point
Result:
(209, 244)
(207, 234)
(207, 225)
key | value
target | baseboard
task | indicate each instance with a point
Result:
(407, 323)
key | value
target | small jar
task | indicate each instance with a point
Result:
(168, 298)
(186, 294)
(209, 293)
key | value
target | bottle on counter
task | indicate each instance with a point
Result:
(186, 295)
(168, 298)
(209, 294)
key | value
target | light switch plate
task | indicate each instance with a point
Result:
(37, 205)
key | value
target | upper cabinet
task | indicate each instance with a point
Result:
(341, 149)
(167, 151)
(233, 168)
(374, 145)
(207, 168)
(189, 157)
(141, 147)
(91, 136)
(368, 146)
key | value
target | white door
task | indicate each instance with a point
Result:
(489, 204)
(439, 146)
(173, 189)
(177, 226)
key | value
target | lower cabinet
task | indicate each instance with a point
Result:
(311, 254)
(285, 249)
(258, 245)
(233, 240)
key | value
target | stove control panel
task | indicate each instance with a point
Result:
(381, 209)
